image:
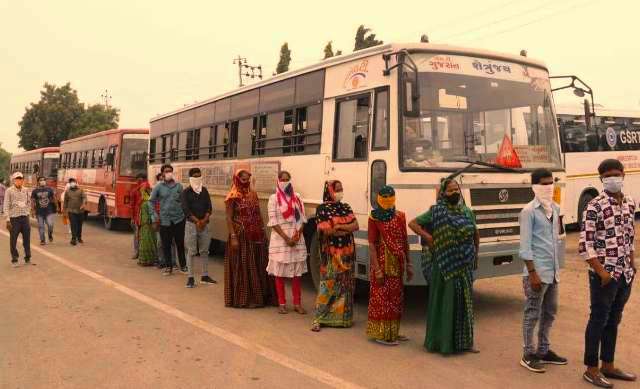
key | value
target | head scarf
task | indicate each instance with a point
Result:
(329, 193)
(238, 189)
(385, 204)
(288, 202)
(331, 213)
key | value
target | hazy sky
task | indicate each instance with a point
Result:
(156, 56)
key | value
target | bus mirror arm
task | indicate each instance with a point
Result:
(579, 90)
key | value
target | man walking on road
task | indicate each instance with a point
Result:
(197, 208)
(170, 219)
(539, 234)
(3, 190)
(606, 243)
(43, 200)
(17, 207)
(135, 199)
(75, 201)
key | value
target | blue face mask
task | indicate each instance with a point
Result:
(613, 184)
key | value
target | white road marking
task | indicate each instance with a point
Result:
(274, 356)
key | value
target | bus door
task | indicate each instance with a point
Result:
(109, 173)
(350, 149)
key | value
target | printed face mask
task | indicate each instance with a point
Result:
(613, 184)
(285, 187)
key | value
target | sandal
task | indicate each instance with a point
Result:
(403, 338)
(386, 342)
(315, 327)
(282, 309)
(597, 380)
(300, 310)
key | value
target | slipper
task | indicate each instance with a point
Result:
(300, 310)
(617, 374)
(403, 338)
(598, 380)
(282, 309)
(387, 343)
(315, 327)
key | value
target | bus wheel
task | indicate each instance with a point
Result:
(315, 260)
(585, 199)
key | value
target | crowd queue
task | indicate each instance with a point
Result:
(171, 229)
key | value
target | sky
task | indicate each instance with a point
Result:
(157, 56)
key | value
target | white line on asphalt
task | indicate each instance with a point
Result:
(230, 337)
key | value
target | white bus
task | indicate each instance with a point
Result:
(613, 133)
(406, 115)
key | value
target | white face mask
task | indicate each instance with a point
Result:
(339, 196)
(42, 183)
(168, 176)
(196, 184)
(544, 194)
(613, 184)
(284, 186)
(73, 185)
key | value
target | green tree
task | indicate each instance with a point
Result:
(5, 160)
(363, 40)
(285, 59)
(328, 50)
(59, 115)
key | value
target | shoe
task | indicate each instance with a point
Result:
(73, 242)
(531, 363)
(167, 271)
(617, 374)
(184, 270)
(15, 264)
(42, 243)
(27, 260)
(134, 257)
(191, 283)
(80, 240)
(50, 238)
(551, 358)
(598, 380)
(207, 280)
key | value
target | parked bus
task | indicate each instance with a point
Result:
(35, 163)
(407, 115)
(613, 133)
(105, 164)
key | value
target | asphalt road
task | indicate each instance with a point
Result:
(89, 317)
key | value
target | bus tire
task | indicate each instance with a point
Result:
(585, 199)
(315, 260)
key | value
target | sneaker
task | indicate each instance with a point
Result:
(531, 363)
(551, 358)
(191, 283)
(184, 270)
(27, 260)
(167, 271)
(207, 280)
(42, 243)
(73, 242)
(15, 264)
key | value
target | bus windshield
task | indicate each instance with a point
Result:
(134, 155)
(479, 109)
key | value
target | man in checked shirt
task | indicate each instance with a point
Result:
(606, 243)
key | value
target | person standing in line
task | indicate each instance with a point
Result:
(453, 241)
(246, 282)
(287, 249)
(607, 244)
(170, 219)
(3, 190)
(43, 200)
(135, 200)
(336, 225)
(389, 259)
(148, 247)
(17, 208)
(75, 203)
(196, 205)
(539, 234)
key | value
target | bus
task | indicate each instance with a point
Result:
(612, 133)
(36, 163)
(407, 115)
(105, 165)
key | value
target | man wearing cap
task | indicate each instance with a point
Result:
(17, 208)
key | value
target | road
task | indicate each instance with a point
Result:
(89, 317)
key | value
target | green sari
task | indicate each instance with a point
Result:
(147, 236)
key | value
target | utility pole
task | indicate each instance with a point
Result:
(256, 71)
(106, 97)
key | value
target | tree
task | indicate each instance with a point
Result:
(328, 50)
(285, 59)
(363, 40)
(5, 160)
(59, 115)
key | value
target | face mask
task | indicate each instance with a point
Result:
(544, 193)
(285, 187)
(73, 185)
(453, 198)
(168, 176)
(339, 196)
(613, 184)
(42, 183)
(196, 184)
(386, 202)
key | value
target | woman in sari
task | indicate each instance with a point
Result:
(388, 258)
(246, 283)
(450, 232)
(147, 254)
(336, 224)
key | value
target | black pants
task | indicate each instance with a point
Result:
(607, 304)
(20, 225)
(169, 234)
(76, 220)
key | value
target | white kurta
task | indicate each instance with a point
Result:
(284, 261)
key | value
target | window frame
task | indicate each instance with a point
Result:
(374, 130)
(336, 122)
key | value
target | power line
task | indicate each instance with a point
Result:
(463, 18)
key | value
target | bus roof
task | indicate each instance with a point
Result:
(601, 111)
(38, 151)
(105, 133)
(388, 48)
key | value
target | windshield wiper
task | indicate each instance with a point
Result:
(479, 163)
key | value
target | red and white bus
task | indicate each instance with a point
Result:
(105, 164)
(35, 163)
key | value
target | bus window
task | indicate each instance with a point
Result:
(352, 128)
(287, 131)
(381, 121)
(378, 179)
(133, 156)
(301, 127)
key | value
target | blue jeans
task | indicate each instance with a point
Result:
(48, 220)
(607, 305)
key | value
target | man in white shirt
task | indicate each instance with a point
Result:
(17, 208)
